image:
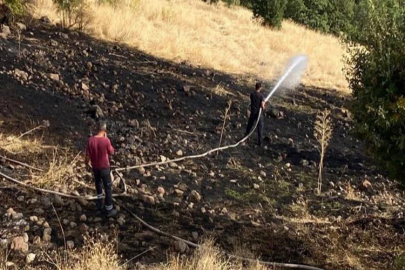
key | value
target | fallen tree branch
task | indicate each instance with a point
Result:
(21, 163)
(46, 124)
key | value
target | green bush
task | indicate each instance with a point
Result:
(17, 7)
(271, 11)
(376, 73)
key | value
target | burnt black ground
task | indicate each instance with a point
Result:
(279, 221)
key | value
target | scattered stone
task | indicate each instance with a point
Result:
(53, 43)
(36, 240)
(84, 87)
(134, 123)
(19, 244)
(64, 35)
(365, 185)
(83, 218)
(21, 74)
(39, 211)
(82, 202)
(83, 228)
(173, 165)
(18, 216)
(34, 218)
(256, 186)
(5, 30)
(163, 158)
(70, 244)
(47, 231)
(161, 191)
(21, 26)
(20, 198)
(96, 111)
(195, 196)
(178, 192)
(58, 200)
(148, 199)
(121, 221)
(97, 219)
(180, 247)
(195, 235)
(26, 238)
(304, 162)
(73, 224)
(179, 153)
(141, 170)
(263, 174)
(54, 77)
(30, 258)
(288, 165)
(46, 201)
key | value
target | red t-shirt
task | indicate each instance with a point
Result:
(98, 149)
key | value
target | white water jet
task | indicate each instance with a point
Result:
(292, 75)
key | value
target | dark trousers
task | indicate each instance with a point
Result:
(251, 122)
(102, 178)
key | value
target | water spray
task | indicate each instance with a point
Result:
(289, 80)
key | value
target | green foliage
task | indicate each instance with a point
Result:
(72, 12)
(271, 11)
(17, 7)
(376, 73)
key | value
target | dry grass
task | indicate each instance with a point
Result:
(16, 145)
(95, 254)
(213, 36)
(350, 193)
(208, 257)
(60, 171)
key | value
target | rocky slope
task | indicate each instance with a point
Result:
(262, 199)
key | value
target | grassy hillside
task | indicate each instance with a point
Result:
(213, 36)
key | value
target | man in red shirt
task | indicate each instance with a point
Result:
(97, 151)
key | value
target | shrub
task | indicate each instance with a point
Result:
(376, 73)
(271, 11)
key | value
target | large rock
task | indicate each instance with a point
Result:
(19, 244)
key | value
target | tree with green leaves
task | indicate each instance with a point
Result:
(376, 73)
(271, 11)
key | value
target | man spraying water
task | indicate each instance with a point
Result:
(256, 103)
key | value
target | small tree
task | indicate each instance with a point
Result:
(72, 12)
(271, 11)
(323, 134)
(376, 73)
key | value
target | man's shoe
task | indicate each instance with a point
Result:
(111, 213)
